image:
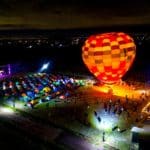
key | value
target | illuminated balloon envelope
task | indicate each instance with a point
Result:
(109, 56)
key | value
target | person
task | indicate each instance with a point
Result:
(99, 119)
(95, 113)
(103, 137)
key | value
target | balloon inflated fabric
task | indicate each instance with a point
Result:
(109, 56)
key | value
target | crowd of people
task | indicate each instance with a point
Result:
(130, 106)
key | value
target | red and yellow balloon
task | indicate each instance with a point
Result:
(109, 56)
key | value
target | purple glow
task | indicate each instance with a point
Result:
(9, 69)
(1, 73)
(5, 71)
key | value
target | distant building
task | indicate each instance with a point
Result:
(140, 137)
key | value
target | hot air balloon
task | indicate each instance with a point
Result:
(109, 55)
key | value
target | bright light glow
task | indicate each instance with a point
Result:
(45, 66)
(136, 129)
(119, 90)
(5, 110)
(108, 121)
(146, 109)
(142, 91)
(145, 129)
(19, 105)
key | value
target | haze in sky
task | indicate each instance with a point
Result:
(66, 14)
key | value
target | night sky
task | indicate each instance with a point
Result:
(64, 14)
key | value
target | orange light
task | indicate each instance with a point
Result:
(146, 109)
(118, 90)
(109, 56)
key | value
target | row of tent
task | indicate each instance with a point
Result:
(38, 86)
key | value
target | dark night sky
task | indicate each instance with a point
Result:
(66, 14)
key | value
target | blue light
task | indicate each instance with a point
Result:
(44, 67)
